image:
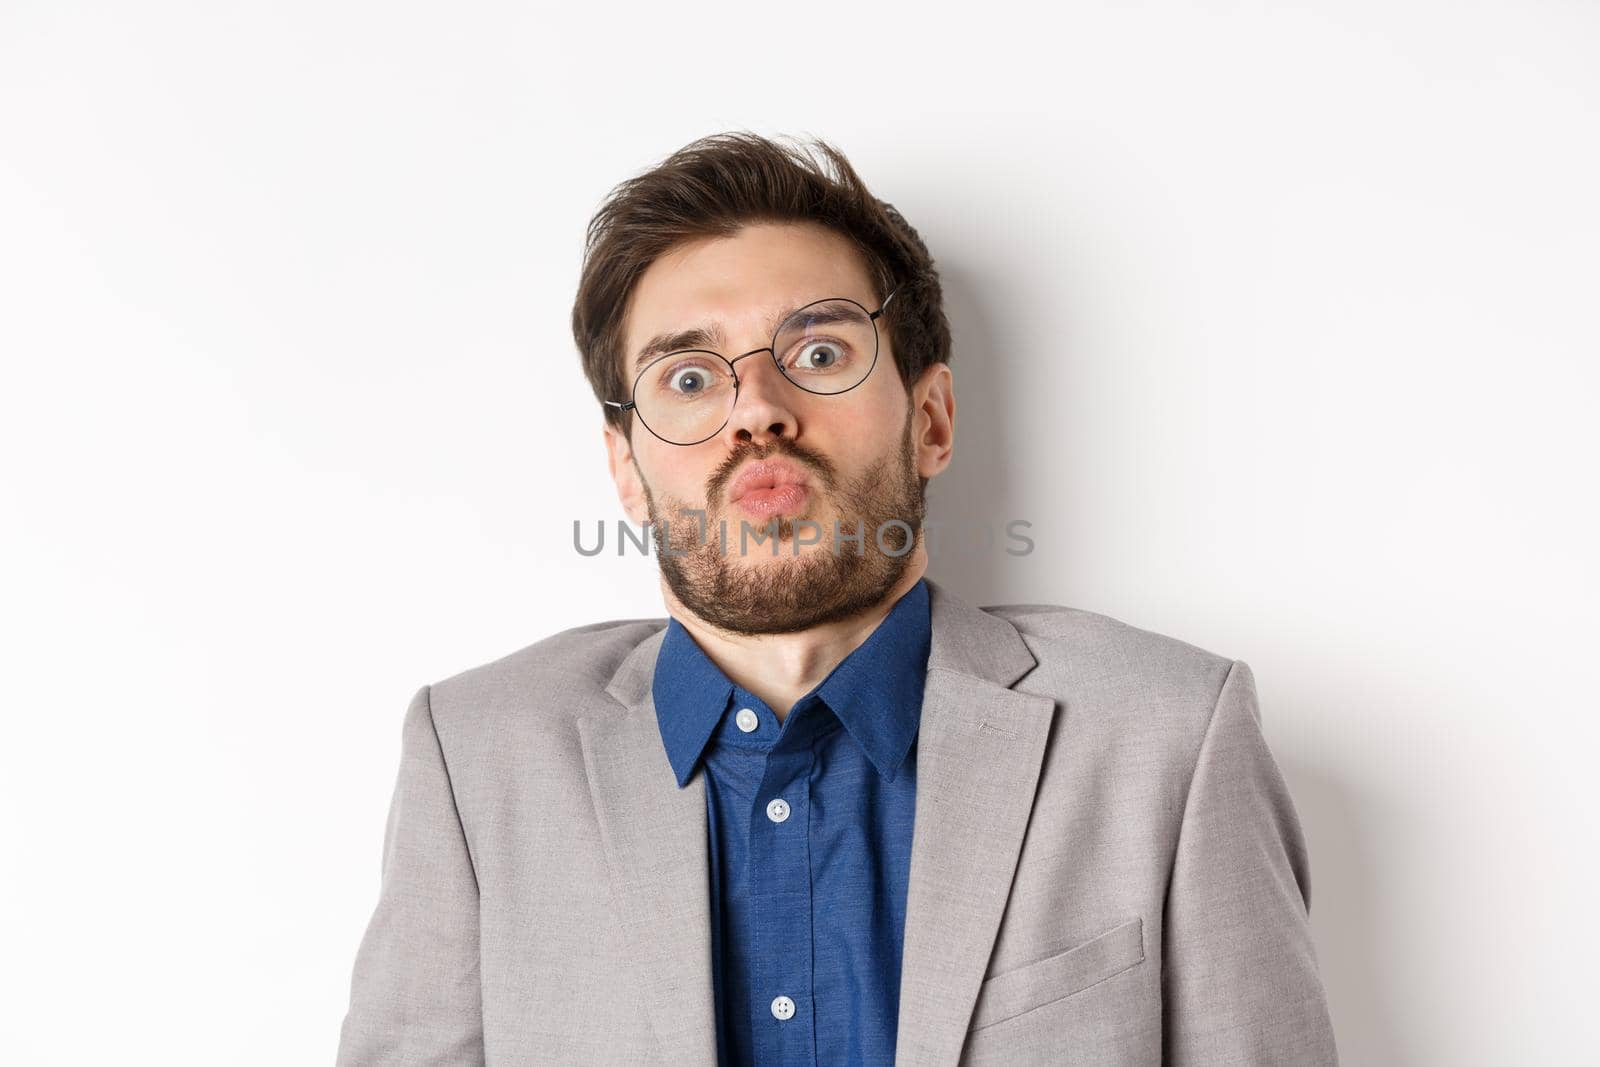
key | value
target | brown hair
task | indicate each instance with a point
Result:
(713, 187)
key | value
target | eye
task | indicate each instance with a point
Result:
(690, 377)
(819, 356)
(689, 380)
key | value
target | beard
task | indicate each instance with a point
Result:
(786, 592)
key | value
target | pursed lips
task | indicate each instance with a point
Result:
(766, 475)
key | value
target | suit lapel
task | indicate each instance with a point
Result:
(654, 835)
(979, 749)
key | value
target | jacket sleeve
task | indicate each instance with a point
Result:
(415, 992)
(1239, 972)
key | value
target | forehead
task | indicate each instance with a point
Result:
(740, 283)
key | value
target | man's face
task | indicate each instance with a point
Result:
(852, 452)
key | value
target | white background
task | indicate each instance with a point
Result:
(1277, 323)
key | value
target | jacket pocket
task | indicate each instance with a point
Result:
(1041, 982)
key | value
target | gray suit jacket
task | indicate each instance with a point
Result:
(1106, 867)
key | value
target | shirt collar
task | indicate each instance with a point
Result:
(876, 691)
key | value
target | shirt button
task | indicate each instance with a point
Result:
(747, 720)
(782, 1007)
(777, 811)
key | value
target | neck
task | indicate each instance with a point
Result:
(782, 668)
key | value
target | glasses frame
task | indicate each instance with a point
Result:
(877, 346)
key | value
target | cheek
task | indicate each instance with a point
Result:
(869, 430)
(682, 477)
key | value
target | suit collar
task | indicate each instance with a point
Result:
(970, 641)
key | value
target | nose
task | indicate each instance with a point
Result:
(763, 408)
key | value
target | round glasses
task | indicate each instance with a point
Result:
(827, 347)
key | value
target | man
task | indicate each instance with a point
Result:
(825, 812)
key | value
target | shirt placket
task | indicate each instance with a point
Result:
(783, 1014)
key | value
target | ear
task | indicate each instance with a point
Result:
(625, 473)
(933, 419)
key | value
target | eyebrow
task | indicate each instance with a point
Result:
(710, 335)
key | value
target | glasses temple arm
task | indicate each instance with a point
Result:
(886, 300)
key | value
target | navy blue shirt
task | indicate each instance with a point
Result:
(810, 841)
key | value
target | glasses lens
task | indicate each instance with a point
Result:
(827, 347)
(685, 397)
